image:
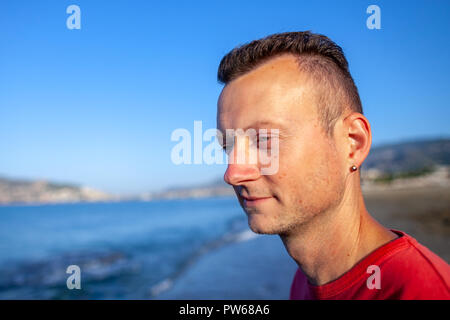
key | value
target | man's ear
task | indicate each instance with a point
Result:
(359, 137)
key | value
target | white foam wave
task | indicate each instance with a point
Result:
(164, 285)
(245, 236)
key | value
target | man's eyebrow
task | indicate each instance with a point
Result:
(267, 124)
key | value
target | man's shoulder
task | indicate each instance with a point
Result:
(416, 271)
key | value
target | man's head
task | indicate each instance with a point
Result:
(298, 83)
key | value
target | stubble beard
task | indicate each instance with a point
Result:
(289, 220)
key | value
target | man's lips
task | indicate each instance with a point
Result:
(252, 201)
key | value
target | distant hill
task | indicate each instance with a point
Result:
(409, 156)
(41, 191)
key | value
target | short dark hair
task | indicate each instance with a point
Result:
(320, 57)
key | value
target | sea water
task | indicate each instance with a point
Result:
(125, 250)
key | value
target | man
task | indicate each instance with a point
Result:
(298, 84)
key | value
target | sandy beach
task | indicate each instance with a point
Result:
(423, 212)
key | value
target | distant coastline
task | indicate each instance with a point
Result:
(14, 191)
(409, 164)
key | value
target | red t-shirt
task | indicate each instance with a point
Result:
(407, 270)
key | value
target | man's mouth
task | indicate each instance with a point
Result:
(254, 201)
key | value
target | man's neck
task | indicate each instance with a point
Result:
(333, 242)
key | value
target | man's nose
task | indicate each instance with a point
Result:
(239, 173)
(242, 165)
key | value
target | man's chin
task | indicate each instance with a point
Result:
(260, 227)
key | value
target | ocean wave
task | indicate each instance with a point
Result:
(44, 279)
(245, 236)
(229, 238)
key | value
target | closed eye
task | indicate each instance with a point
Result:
(263, 141)
(227, 149)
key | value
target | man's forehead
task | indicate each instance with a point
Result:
(259, 103)
(235, 120)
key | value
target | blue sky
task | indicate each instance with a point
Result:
(97, 106)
